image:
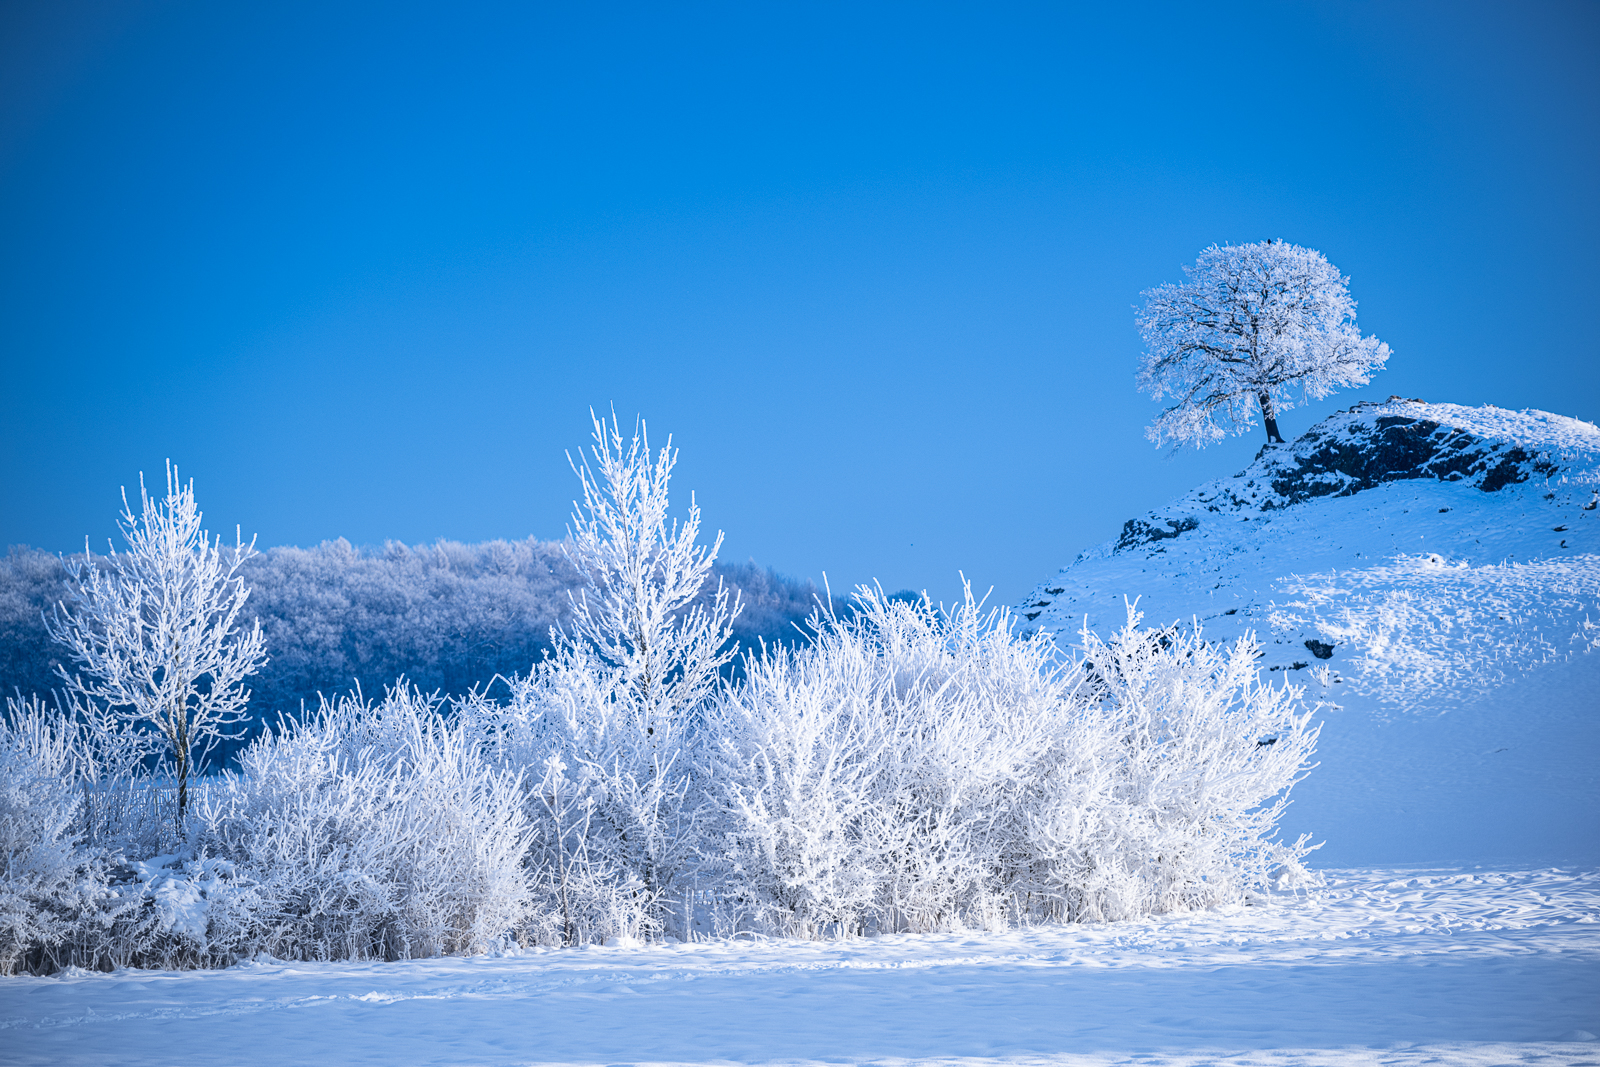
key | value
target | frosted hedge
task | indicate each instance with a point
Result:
(910, 768)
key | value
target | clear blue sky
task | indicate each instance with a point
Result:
(361, 270)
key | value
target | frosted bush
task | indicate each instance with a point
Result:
(609, 792)
(58, 906)
(872, 782)
(370, 830)
(587, 789)
(46, 878)
(1200, 757)
(916, 770)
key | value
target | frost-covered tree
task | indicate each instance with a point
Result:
(656, 654)
(155, 630)
(605, 728)
(1254, 328)
(642, 574)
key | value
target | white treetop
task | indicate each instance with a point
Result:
(642, 572)
(155, 631)
(1254, 328)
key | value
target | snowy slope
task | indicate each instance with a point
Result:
(1401, 561)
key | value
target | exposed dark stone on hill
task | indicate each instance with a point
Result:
(1354, 451)
(1138, 532)
(1396, 449)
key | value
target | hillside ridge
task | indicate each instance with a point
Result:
(1429, 576)
(1377, 443)
(1402, 519)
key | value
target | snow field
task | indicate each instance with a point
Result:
(1391, 966)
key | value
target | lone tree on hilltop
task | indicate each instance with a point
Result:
(1255, 326)
(154, 629)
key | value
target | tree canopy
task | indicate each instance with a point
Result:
(1253, 328)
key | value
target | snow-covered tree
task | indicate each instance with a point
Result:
(605, 728)
(655, 653)
(642, 573)
(155, 630)
(1255, 327)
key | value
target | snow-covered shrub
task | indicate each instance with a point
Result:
(572, 884)
(1203, 756)
(57, 904)
(368, 830)
(583, 793)
(916, 770)
(46, 878)
(875, 780)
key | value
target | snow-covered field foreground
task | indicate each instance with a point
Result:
(1381, 966)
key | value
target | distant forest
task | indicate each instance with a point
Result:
(448, 616)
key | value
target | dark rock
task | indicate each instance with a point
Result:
(1396, 448)
(1137, 532)
(1507, 472)
(1319, 649)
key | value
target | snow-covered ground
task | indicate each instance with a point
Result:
(1382, 966)
(1457, 793)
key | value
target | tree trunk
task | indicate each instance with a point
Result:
(1269, 415)
(183, 787)
(183, 770)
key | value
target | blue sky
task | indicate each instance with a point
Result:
(361, 270)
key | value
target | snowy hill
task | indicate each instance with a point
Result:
(1400, 560)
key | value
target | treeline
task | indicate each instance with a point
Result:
(448, 617)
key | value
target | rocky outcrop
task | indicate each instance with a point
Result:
(1360, 449)
(1361, 455)
(1137, 532)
